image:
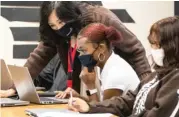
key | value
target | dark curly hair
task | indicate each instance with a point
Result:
(167, 33)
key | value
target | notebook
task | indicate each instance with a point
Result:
(50, 112)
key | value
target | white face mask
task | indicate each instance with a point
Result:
(158, 56)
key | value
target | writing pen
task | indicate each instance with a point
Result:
(71, 96)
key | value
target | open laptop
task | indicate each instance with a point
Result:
(6, 102)
(6, 83)
(26, 89)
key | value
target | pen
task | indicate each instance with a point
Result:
(71, 96)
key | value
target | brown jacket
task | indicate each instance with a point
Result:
(159, 101)
(130, 49)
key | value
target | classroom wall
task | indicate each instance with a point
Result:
(19, 23)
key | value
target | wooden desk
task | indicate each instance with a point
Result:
(19, 111)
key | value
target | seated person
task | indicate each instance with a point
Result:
(156, 96)
(51, 77)
(95, 45)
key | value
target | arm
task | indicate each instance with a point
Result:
(115, 82)
(109, 93)
(112, 93)
(39, 58)
(166, 99)
(164, 103)
(93, 97)
(130, 48)
(45, 78)
(89, 79)
(117, 105)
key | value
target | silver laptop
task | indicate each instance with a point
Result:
(6, 83)
(6, 102)
(26, 89)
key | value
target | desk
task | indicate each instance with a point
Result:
(19, 111)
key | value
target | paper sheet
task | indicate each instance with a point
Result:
(61, 114)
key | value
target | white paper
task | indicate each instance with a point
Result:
(61, 114)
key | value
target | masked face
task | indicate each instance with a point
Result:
(158, 56)
(88, 60)
(88, 53)
(68, 29)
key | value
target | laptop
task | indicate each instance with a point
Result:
(26, 89)
(7, 102)
(6, 83)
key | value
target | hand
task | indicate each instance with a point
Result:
(7, 93)
(66, 93)
(78, 105)
(89, 78)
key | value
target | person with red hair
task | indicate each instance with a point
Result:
(95, 44)
(158, 94)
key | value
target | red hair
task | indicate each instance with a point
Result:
(97, 32)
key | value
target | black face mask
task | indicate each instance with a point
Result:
(68, 29)
(88, 61)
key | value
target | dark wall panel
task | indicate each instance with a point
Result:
(21, 14)
(176, 7)
(25, 33)
(123, 15)
(37, 3)
(21, 3)
(95, 2)
(22, 51)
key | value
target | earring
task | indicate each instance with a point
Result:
(99, 57)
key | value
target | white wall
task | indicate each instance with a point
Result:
(6, 41)
(143, 13)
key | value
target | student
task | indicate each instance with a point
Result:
(156, 96)
(60, 22)
(94, 43)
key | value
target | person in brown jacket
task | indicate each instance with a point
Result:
(61, 21)
(156, 95)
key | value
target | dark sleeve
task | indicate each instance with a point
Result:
(45, 78)
(166, 99)
(39, 58)
(131, 49)
(120, 106)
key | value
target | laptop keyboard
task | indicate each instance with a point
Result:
(52, 99)
(46, 99)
